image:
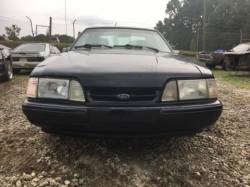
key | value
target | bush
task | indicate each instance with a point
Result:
(189, 53)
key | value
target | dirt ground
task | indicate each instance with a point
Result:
(219, 156)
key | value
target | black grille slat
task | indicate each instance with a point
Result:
(15, 58)
(111, 94)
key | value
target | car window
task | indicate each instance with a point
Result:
(118, 37)
(30, 48)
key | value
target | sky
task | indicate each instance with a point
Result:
(139, 13)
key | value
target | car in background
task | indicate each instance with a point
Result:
(205, 56)
(212, 59)
(121, 80)
(217, 59)
(238, 58)
(29, 55)
(6, 72)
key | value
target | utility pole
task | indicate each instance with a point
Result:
(50, 26)
(241, 36)
(204, 25)
(74, 27)
(31, 25)
(65, 15)
(197, 39)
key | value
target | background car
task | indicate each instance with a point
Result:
(238, 58)
(212, 59)
(6, 72)
(205, 56)
(29, 55)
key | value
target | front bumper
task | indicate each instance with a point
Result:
(125, 120)
(24, 64)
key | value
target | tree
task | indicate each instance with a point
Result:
(182, 22)
(2, 38)
(12, 32)
(224, 21)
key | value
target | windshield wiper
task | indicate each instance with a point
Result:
(129, 46)
(90, 46)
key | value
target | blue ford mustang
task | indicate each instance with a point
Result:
(117, 80)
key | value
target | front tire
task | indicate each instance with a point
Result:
(8, 74)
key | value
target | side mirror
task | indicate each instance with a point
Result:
(66, 49)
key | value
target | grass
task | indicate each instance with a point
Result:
(188, 53)
(237, 78)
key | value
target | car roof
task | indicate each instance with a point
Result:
(121, 27)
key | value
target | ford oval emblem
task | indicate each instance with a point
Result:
(123, 96)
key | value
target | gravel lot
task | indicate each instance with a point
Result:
(217, 157)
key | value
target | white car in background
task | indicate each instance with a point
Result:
(29, 55)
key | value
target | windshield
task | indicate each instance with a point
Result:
(31, 48)
(242, 47)
(122, 37)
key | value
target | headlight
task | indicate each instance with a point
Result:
(32, 87)
(75, 91)
(55, 89)
(212, 88)
(170, 92)
(192, 89)
(189, 90)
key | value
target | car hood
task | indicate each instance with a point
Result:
(111, 68)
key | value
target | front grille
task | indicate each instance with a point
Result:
(15, 58)
(35, 59)
(29, 59)
(122, 94)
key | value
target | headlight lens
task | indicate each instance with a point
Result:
(189, 90)
(170, 92)
(32, 87)
(55, 89)
(75, 91)
(192, 89)
(212, 88)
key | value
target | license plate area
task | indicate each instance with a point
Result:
(23, 60)
(122, 116)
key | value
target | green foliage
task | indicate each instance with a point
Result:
(2, 38)
(13, 32)
(239, 79)
(45, 38)
(224, 20)
(64, 38)
(189, 53)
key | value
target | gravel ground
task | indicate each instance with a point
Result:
(219, 156)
